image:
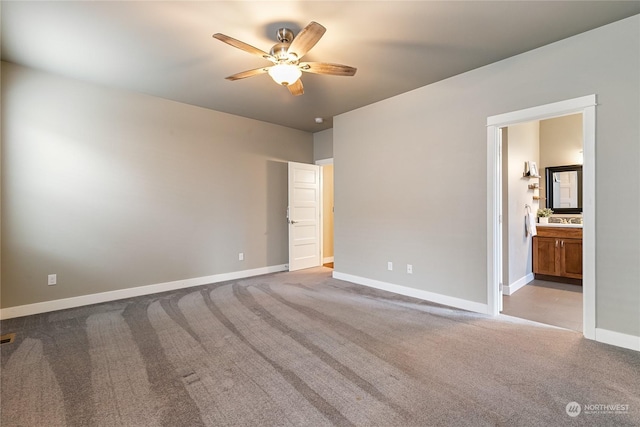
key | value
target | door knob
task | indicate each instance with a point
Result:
(292, 222)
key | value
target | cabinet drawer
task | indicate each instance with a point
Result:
(560, 232)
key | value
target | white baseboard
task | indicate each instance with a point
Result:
(618, 339)
(61, 304)
(416, 293)
(513, 287)
(327, 259)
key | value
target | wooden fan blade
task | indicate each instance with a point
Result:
(248, 73)
(296, 89)
(324, 68)
(306, 39)
(244, 46)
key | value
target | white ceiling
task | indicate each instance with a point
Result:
(165, 48)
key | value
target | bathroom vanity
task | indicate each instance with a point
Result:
(557, 253)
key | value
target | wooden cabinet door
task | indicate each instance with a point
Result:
(571, 260)
(546, 258)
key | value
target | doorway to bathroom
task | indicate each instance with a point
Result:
(500, 206)
(537, 285)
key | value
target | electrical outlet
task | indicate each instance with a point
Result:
(409, 269)
(241, 256)
(52, 279)
(389, 266)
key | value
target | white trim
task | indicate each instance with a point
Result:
(587, 106)
(415, 293)
(542, 112)
(327, 259)
(494, 226)
(324, 162)
(321, 224)
(61, 304)
(518, 284)
(589, 221)
(618, 339)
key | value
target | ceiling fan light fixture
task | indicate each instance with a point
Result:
(285, 74)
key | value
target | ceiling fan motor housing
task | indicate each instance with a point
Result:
(280, 51)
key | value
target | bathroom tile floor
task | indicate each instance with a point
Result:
(551, 303)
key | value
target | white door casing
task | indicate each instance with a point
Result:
(303, 216)
(499, 228)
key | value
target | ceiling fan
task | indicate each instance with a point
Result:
(286, 54)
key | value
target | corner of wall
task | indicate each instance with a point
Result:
(323, 145)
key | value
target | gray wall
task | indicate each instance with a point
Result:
(523, 145)
(112, 189)
(410, 177)
(323, 145)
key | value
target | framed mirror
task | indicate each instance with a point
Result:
(564, 189)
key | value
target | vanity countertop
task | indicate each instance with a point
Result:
(556, 225)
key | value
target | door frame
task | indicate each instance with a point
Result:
(587, 106)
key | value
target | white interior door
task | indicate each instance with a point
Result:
(303, 215)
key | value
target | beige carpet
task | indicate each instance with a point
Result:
(303, 349)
